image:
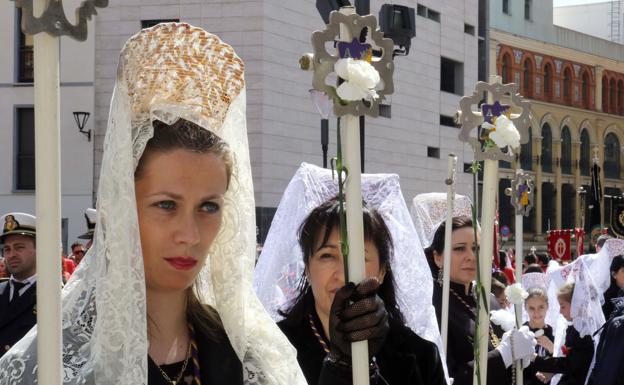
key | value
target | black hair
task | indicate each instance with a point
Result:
(437, 244)
(318, 227)
(530, 259)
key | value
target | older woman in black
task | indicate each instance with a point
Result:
(462, 310)
(321, 325)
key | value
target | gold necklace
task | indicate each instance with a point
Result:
(493, 337)
(179, 377)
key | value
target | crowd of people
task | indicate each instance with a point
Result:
(167, 292)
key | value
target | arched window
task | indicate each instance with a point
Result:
(567, 86)
(585, 89)
(568, 209)
(605, 95)
(585, 153)
(528, 77)
(612, 157)
(566, 151)
(548, 207)
(612, 103)
(506, 69)
(620, 97)
(548, 78)
(546, 148)
(526, 153)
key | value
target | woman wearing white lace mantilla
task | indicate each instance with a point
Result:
(300, 280)
(164, 295)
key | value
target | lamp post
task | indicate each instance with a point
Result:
(583, 194)
(46, 31)
(324, 106)
(81, 118)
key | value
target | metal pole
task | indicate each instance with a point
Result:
(448, 231)
(519, 253)
(362, 142)
(48, 204)
(324, 139)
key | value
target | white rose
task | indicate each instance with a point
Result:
(360, 79)
(516, 294)
(504, 132)
(539, 333)
(503, 318)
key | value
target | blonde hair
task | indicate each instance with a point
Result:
(565, 292)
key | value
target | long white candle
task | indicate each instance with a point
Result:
(48, 204)
(355, 229)
(490, 175)
(448, 230)
(519, 253)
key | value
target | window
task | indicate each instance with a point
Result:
(25, 71)
(548, 78)
(568, 209)
(469, 29)
(548, 206)
(612, 157)
(506, 69)
(584, 163)
(151, 23)
(526, 153)
(506, 7)
(612, 96)
(620, 97)
(452, 76)
(421, 10)
(527, 10)
(605, 94)
(566, 151)
(546, 148)
(433, 15)
(585, 89)
(433, 152)
(446, 120)
(527, 78)
(25, 147)
(567, 85)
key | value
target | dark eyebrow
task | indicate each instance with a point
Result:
(175, 196)
(326, 246)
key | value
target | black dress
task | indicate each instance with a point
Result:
(529, 371)
(575, 365)
(609, 367)
(218, 364)
(404, 358)
(461, 329)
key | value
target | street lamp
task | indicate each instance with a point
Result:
(582, 193)
(323, 105)
(81, 118)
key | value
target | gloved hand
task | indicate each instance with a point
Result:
(357, 314)
(517, 344)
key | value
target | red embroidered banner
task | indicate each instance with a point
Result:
(559, 244)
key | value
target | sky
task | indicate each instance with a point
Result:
(558, 3)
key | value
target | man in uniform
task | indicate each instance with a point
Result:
(18, 301)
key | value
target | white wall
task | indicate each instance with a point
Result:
(283, 124)
(539, 27)
(77, 94)
(592, 19)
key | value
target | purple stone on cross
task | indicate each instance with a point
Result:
(354, 49)
(492, 110)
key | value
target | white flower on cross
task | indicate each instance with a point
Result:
(503, 132)
(360, 79)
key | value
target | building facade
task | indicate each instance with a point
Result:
(576, 85)
(17, 157)
(604, 20)
(284, 127)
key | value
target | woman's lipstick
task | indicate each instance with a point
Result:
(182, 263)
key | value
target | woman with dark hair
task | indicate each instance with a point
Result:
(616, 289)
(462, 310)
(317, 325)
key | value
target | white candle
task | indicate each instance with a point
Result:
(48, 204)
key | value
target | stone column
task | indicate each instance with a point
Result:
(558, 182)
(493, 57)
(537, 150)
(598, 88)
(576, 160)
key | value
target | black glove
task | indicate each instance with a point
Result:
(357, 314)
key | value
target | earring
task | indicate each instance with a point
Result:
(440, 275)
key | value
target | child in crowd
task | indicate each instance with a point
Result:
(577, 352)
(536, 306)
